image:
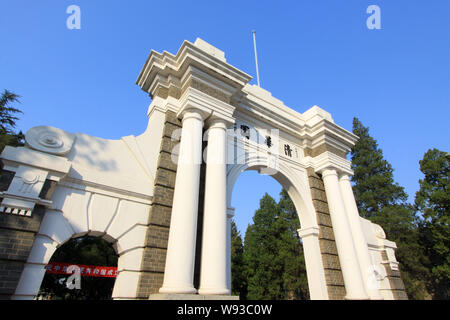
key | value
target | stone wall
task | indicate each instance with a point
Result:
(395, 280)
(330, 258)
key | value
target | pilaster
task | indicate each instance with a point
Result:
(347, 253)
(155, 250)
(332, 268)
(213, 278)
(27, 183)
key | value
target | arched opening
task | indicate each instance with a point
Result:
(97, 260)
(267, 258)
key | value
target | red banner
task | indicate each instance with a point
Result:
(89, 271)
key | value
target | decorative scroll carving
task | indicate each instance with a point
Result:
(50, 140)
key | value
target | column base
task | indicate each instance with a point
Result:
(175, 296)
(212, 291)
(356, 298)
(177, 290)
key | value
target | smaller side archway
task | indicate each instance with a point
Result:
(76, 213)
(86, 251)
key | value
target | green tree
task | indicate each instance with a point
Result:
(291, 250)
(238, 280)
(264, 268)
(433, 201)
(373, 178)
(8, 120)
(272, 252)
(383, 201)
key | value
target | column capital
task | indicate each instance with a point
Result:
(345, 177)
(192, 113)
(230, 212)
(307, 232)
(330, 171)
(217, 123)
(330, 161)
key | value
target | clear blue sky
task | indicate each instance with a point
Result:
(395, 80)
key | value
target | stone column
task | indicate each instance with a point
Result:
(348, 258)
(359, 240)
(314, 264)
(180, 259)
(213, 270)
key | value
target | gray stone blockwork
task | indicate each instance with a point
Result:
(153, 262)
(330, 258)
(395, 281)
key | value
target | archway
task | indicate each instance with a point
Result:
(265, 242)
(299, 193)
(289, 180)
(94, 254)
(117, 221)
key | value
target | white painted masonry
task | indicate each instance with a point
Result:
(359, 240)
(213, 276)
(183, 224)
(105, 188)
(348, 258)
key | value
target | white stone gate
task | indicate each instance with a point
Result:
(145, 194)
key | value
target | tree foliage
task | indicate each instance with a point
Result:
(373, 178)
(238, 280)
(433, 200)
(383, 201)
(8, 120)
(294, 278)
(273, 255)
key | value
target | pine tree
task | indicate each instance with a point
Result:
(433, 200)
(273, 254)
(8, 120)
(374, 186)
(383, 201)
(263, 263)
(295, 279)
(238, 280)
